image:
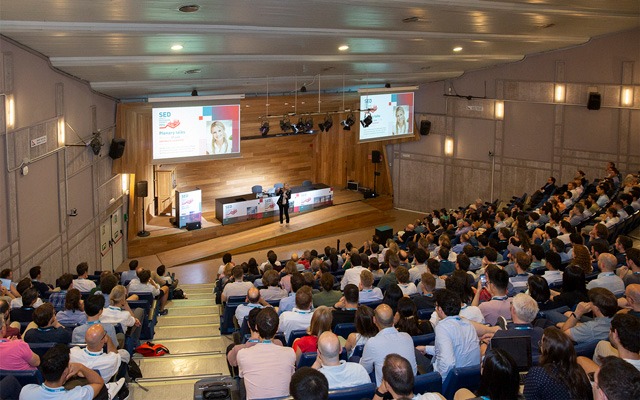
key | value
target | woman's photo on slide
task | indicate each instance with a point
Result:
(402, 125)
(220, 142)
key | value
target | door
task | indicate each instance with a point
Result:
(116, 238)
(106, 255)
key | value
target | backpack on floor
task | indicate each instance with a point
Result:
(149, 349)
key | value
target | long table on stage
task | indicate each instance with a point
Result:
(230, 210)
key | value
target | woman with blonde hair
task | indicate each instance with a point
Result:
(219, 142)
(402, 126)
(320, 322)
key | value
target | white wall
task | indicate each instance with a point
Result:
(34, 226)
(536, 138)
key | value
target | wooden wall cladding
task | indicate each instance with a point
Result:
(332, 157)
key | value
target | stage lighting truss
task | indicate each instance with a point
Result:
(326, 124)
(264, 128)
(367, 120)
(285, 124)
(348, 122)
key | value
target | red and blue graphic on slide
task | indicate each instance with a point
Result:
(171, 124)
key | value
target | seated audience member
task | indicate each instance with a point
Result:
(631, 272)
(523, 311)
(16, 354)
(391, 297)
(631, 302)
(607, 278)
(499, 305)
(557, 375)
(12, 329)
(272, 261)
(119, 312)
(266, 367)
(300, 316)
(402, 276)
(327, 296)
(163, 278)
(622, 245)
(553, 275)
(226, 259)
(35, 273)
(49, 329)
(603, 304)
(368, 293)
(6, 276)
(128, 276)
(420, 267)
(540, 292)
(352, 275)
(238, 287)
(426, 289)
(271, 279)
(365, 329)
(29, 301)
(458, 283)
(58, 297)
(499, 379)
(339, 373)
(624, 342)
(309, 384)
(345, 310)
(21, 287)
(398, 379)
(233, 349)
(387, 340)
(519, 281)
(285, 277)
(389, 278)
(433, 265)
(253, 300)
(456, 343)
(146, 285)
(406, 319)
(56, 369)
(616, 380)
(93, 307)
(83, 283)
(320, 322)
(73, 313)
(374, 267)
(574, 288)
(94, 357)
(287, 303)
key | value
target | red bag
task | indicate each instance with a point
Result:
(149, 349)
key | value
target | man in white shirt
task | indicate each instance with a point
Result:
(368, 293)
(238, 287)
(339, 373)
(144, 284)
(420, 268)
(119, 312)
(398, 381)
(253, 301)
(352, 275)
(300, 316)
(553, 275)
(82, 283)
(607, 278)
(93, 356)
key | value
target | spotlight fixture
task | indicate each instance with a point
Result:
(387, 85)
(308, 124)
(348, 122)
(189, 8)
(367, 121)
(326, 124)
(303, 89)
(194, 92)
(264, 128)
(300, 126)
(285, 124)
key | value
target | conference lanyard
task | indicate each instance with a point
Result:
(501, 298)
(93, 354)
(259, 341)
(52, 390)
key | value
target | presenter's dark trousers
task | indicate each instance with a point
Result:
(284, 211)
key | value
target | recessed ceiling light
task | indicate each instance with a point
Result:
(457, 49)
(176, 47)
(189, 8)
(414, 19)
(192, 71)
(344, 47)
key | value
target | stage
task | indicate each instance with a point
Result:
(175, 246)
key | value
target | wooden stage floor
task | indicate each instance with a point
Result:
(174, 246)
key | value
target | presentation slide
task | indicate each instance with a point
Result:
(391, 114)
(183, 134)
(189, 207)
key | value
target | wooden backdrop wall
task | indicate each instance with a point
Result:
(332, 157)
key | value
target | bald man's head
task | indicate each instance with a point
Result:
(384, 316)
(94, 337)
(329, 347)
(253, 294)
(607, 262)
(633, 293)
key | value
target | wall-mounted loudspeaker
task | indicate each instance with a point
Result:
(117, 148)
(425, 127)
(141, 189)
(594, 101)
(376, 157)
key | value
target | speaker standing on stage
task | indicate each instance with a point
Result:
(283, 201)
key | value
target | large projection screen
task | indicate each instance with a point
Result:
(391, 114)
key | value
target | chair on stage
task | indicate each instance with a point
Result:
(307, 183)
(257, 190)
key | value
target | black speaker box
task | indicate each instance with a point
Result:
(384, 233)
(376, 156)
(594, 101)
(141, 189)
(117, 148)
(425, 127)
(192, 226)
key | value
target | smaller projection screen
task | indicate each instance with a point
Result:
(391, 115)
(195, 133)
